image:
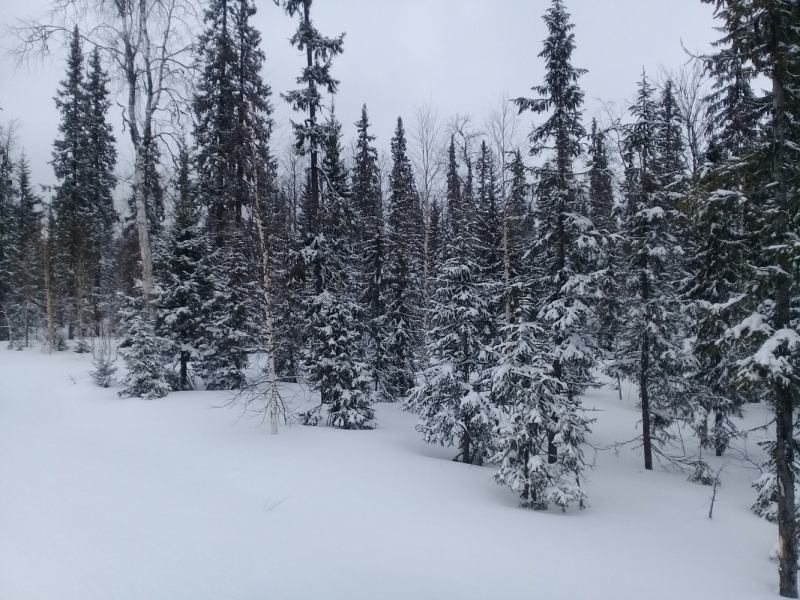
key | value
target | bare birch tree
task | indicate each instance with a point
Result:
(425, 154)
(503, 127)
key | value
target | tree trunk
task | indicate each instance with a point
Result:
(141, 223)
(266, 291)
(719, 446)
(184, 370)
(48, 292)
(784, 400)
(645, 400)
(552, 450)
(466, 449)
(787, 518)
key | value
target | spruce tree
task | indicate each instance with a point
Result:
(403, 269)
(567, 248)
(70, 203)
(142, 351)
(7, 210)
(309, 135)
(368, 202)
(531, 403)
(335, 359)
(653, 327)
(25, 303)
(232, 129)
(453, 400)
(99, 184)
(180, 268)
(764, 36)
(604, 217)
(84, 158)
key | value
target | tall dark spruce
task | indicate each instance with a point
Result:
(649, 341)
(402, 273)
(764, 36)
(368, 203)
(234, 176)
(541, 424)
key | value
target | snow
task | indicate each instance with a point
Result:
(109, 498)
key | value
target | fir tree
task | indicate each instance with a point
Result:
(368, 201)
(228, 327)
(99, 184)
(531, 404)
(70, 204)
(84, 158)
(604, 218)
(232, 129)
(335, 358)
(309, 135)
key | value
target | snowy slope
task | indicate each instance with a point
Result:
(111, 498)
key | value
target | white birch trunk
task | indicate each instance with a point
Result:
(266, 291)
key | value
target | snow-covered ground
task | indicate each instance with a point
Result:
(108, 498)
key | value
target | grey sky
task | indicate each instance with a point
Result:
(459, 54)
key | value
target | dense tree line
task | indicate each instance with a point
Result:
(486, 294)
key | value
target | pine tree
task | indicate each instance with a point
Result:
(403, 268)
(567, 248)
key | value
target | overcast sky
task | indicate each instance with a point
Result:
(461, 55)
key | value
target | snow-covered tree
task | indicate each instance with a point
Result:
(142, 352)
(765, 37)
(368, 202)
(402, 271)
(567, 249)
(335, 358)
(180, 268)
(452, 400)
(24, 304)
(531, 404)
(650, 339)
(7, 208)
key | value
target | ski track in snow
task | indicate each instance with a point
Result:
(116, 499)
